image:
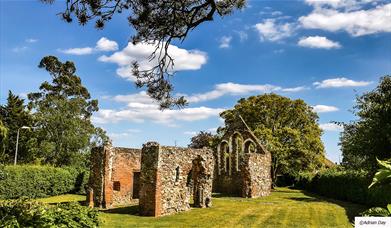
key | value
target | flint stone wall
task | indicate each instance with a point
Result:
(171, 175)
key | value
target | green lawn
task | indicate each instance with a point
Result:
(283, 208)
(63, 198)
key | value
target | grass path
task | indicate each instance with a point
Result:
(283, 208)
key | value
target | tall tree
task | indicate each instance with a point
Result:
(156, 22)
(288, 128)
(202, 139)
(369, 137)
(3, 138)
(63, 110)
(14, 116)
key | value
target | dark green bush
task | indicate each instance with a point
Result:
(22, 213)
(40, 181)
(345, 185)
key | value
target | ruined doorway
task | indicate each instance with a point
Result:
(136, 185)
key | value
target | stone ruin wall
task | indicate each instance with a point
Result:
(243, 165)
(112, 176)
(256, 175)
(171, 175)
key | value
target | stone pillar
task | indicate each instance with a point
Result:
(150, 187)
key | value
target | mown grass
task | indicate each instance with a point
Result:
(63, 198)
(283, 208)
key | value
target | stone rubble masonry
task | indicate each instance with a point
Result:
(171, 175)
(113, 166)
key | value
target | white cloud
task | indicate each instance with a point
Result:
(140, 107)
(347, 5)
(105, 44)
(243, 36)
(31, 40)
(19, 49)
(352, 19)
(183, 59)
(230, 88)
(271, 30)
(212, 130)
(190, 133)
(77, 51)
(324, 108)
(340, 82)
(125, 134)
(318, 42)
(225, 42)
(330, 127)
(294, 89)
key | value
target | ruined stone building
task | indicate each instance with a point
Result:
(243, 165)
(165, 179)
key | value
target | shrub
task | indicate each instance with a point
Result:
(39, 181)
(23, 213)
(344, 185)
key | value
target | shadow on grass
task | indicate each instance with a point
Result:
(351, 209)
(223, 195)
(129, 210)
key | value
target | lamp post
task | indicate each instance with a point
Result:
(17, 142)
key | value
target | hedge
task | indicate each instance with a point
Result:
(40, 181)
(345, 185)
(23, 213)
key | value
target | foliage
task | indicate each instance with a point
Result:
(378, 211)
(23, 213)
(3, 138)
(383, 175)
(369, 137)
(62, 112)
(348, 185)
(381, 179)
(40, 181)
(288, 128)
(15, 115)
(203, 139)
(155, 22)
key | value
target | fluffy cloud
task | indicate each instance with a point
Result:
(318, 42)
(140, 107)
(103, 44)
(225, 41)
(355, 22)
(330, 127)
(347, 5)
(190, 133)
(271, 30)
(183, 59)
(340, 82)
(230, 88)
(324, 108)
(77, 51)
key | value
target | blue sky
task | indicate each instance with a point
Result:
(324, 52)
